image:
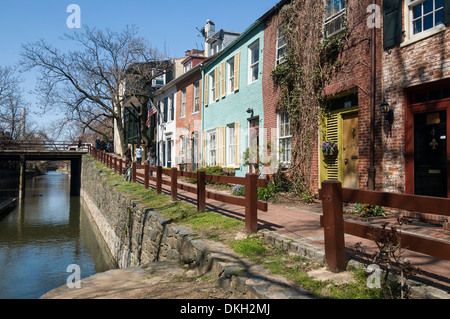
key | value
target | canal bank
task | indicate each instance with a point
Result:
(138, 236)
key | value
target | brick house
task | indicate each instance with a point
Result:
(189, 113)
(351, 94)
(416, 82)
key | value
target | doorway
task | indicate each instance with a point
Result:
(350, 154)
(253, 144)
(430, 154)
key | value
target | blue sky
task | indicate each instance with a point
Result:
(168, 25)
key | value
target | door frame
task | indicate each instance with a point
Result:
(417, 108)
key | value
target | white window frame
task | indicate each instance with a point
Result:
(279, 59)
(196, 106)
(212, 87)
(333, 17)
(188, 66)
(230, 75)
(251, 64)
(231, 145)
(410, 5)
(183, 103)
(284, 155)
(212, 148)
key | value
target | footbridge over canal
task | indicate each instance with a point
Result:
(46, 151)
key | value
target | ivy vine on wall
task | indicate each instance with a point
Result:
(310, 64)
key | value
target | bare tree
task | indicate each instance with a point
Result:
(88, 83)
(12, 104)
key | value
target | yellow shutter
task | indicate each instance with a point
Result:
(224, 146)
(205, 96)
(237, 157)
(237, 59)
(219, 146)
(204, 149)
(222, 79)
(217, 81)
(331, 163)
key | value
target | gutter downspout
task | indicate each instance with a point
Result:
(371, 170)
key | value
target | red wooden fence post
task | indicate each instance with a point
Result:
(333, 225)
(146, 178)
(201, 191)
(120, 166)
(133, 172)
(174, 184)
(158, 179)
(251, 203)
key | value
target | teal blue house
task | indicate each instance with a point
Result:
(233, 103)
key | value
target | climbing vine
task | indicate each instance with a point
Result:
(310, 63)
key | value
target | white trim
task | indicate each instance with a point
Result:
(251, 65)
(408, 23)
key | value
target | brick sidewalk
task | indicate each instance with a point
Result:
(302, 223)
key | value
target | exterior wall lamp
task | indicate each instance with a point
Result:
(387, 112)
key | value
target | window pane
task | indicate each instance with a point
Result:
(439, 17)
(417, 25)
(428, 6)
(439, 4)
(255, 72)
(417, 11)
(428, 22)
(255, 54)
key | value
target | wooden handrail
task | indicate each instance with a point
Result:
(251, 181)
(333, 195)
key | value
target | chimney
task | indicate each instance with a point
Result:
(210, 30)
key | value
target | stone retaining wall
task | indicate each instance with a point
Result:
(134, 234)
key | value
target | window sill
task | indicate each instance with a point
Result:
(423, 35)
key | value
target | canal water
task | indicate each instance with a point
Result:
(48, 232)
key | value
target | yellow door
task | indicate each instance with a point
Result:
(350, 154)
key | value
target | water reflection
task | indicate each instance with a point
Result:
(47, 232)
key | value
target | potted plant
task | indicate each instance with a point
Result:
(329, 148)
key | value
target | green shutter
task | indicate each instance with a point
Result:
(392, 23)
(446, 11)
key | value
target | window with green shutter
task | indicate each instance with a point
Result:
(392, 23)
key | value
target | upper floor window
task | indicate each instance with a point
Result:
(281, 46)
(231, 75)
(334, 17)
(254, 62)
(188, 66)
(212, 86)
(196, 107)
(425, 14)
(183, 103)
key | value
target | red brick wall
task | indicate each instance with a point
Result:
(356, 74)
(191, 122)
(270, 94)
(404, 67)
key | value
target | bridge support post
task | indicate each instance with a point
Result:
(22, 179)
(75, 177)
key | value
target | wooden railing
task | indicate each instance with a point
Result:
(14, 145)
(141, 174)
(333, 195)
